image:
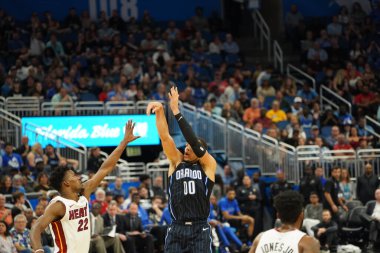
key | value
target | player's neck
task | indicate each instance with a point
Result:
(287, 227)
(70, 195)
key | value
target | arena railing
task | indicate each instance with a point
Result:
(10, 126)
(23, 106)
(329, 97)
(262, 30)
(67, 148)
(89, 108)
(57, 109)
(300, 76)
(2, 102)
(375, 125)
(278, 57)
(160, 168)
(371, 156)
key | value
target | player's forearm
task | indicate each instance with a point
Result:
(35, 237)
(161, 124)
(110, 163)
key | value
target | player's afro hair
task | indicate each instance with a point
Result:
(289, 205)
(57, 176)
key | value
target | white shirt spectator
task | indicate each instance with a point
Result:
(376, 211)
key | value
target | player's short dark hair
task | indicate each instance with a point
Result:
(203, 143)
(57, 176)
(289, 205)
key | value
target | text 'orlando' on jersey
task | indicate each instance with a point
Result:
(189, 193)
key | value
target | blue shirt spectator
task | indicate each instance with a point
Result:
(230, 46)
(307, 94)
(166, 218)
(11, 159)
(231, 206)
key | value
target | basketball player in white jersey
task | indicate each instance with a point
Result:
(287, 238)
(68, 215)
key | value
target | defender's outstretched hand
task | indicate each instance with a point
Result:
(153, 107)
(128, 135)
(174, 97)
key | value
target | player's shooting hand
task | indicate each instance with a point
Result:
(153, 107)
(174, 97)
(128, 135)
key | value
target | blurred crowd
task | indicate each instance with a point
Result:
(111, 59)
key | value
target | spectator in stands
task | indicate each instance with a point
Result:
(372, 219)
(143, 214)
(199, 21)
(131, 191)
(228, 176)
(24, 149)
(5, 213)
(333, 138)
(6, 185)
(11, 160)
(35, 156)
(42, 183)
(279, 186)
(230, 46)
(253, 112)
(310, 183)
(365, 99)
(118, 190)
(6, 242)
(366, 185)
(354, 138)
(296, 108)
(320, 174)
(334, 28)
(293, 25)
(56, 45)
(18, 203)
(98, 240)
(21, 235)
(276, 114)
(329, 118)
(54, 159)
(326, 232)
(157, 187)
(94, 161)
(264, 75)
(17, 184)
(145, 202)
(142, 241)
(342, 144)
(61, 99)
(100, 197)
(309, 96)
(111, 218)
(231, 212)
(250, 199)
(313, 213)
(346, 186)
(364, 130)
(331, 192)
(265, 90)
(317, 57)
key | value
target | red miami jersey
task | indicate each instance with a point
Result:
(72, 233)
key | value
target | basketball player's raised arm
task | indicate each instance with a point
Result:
(206, 160)
(170, 149)
(110, 163)
(52, 213)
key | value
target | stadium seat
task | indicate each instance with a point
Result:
(282, 124)
(215, 60)
(353, 228)
(268, 101)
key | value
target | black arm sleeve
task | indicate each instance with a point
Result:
(190, 136)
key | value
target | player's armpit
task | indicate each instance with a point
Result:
(170, 150)
(308, 244)
(52, 213)
(255, 243)
(208, 164)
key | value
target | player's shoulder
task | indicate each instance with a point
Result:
(308, 244)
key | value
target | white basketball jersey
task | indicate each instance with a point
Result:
(273, 241)
(72, 234)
